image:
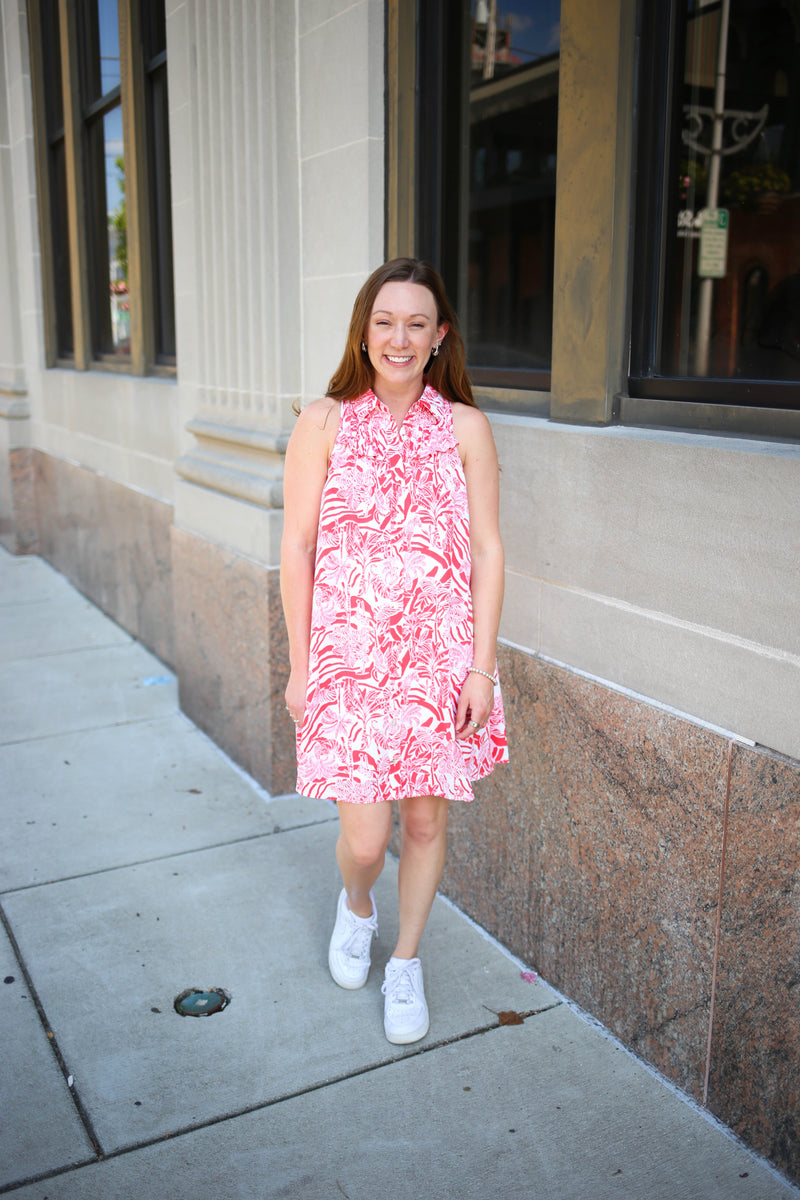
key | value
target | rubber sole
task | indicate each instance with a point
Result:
(343, 981)
(404, 1039)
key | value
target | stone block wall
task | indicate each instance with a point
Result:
(113, 543)
(232, 656)
(647, 867)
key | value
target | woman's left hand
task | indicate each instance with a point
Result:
(474, 705)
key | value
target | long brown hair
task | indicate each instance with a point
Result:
(446, 371)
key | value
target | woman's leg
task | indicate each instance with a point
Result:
(423, 821)
(364, 831)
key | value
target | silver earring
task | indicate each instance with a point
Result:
(364, 347)
(435, 350)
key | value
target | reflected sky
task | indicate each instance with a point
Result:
(108, 22)
(112, 131)
(535, 25)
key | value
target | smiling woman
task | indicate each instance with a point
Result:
(399, 334)
(392, 581)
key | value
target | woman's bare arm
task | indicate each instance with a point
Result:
(305, 471)
(479, 456)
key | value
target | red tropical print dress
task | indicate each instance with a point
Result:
(391, 625)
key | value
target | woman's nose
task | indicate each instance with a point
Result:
(399, 336)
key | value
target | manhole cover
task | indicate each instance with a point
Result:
(201, 1002)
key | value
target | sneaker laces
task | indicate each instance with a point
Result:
(357, 943)
(401, 985)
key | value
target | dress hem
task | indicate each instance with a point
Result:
(315, 790)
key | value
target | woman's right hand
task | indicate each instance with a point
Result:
(295, 695)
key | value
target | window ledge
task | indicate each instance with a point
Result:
(699, 439)
(513, 400)
(14, 405)
(780, 424)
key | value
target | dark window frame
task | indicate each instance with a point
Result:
(753, 406)
(441, 140)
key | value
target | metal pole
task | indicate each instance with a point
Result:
(491, 41)
(712, 193)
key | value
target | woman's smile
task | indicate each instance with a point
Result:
(401, 335)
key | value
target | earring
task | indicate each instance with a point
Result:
(364, 347)
(435, 350)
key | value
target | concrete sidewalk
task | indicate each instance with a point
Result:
(139, 862)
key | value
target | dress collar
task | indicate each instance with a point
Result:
(430, 400)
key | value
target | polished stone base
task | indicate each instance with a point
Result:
(597, 856)
(232, 656)
(755, 1051)
(110, 541)
(18, 508)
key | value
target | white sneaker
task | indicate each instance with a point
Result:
(349, 951)
(405, 1013)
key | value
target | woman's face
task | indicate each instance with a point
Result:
(401, 334)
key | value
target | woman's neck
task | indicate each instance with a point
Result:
(398, 402)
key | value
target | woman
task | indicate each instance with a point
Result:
(392, 583)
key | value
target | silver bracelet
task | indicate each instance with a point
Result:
(478, 671)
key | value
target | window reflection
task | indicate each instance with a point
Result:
(108, 25)
(513, 108)
(738, 316)
(119, 303)
(108, 247)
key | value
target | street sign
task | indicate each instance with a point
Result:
(712, 259)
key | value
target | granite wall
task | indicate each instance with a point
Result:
(232, 656)
(649, 868)
(18, 510)
(112, 542)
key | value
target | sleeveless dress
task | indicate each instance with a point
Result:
(391, 624)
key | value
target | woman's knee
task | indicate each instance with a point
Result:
(365, 840)
(424, 820)
(365, 851)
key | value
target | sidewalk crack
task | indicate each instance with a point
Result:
(83, 1115)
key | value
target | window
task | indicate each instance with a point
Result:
(55, 173)
(717, 285)
(485, 165)
(98, 71)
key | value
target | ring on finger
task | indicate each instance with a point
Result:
(474, 724)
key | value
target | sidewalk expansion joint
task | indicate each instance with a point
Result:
(83, 1115)
(344, 1077)
(60, 733)
(79, 649)
(144, 862)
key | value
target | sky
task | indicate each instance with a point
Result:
(535, 26)
(108, 28)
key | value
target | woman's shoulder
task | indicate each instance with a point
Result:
(469, 421)
(319, 413)
(320, 416)
(317, 425)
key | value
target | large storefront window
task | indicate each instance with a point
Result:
(487, 121)
(721, 293)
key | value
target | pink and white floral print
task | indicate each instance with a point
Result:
(391, 626)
